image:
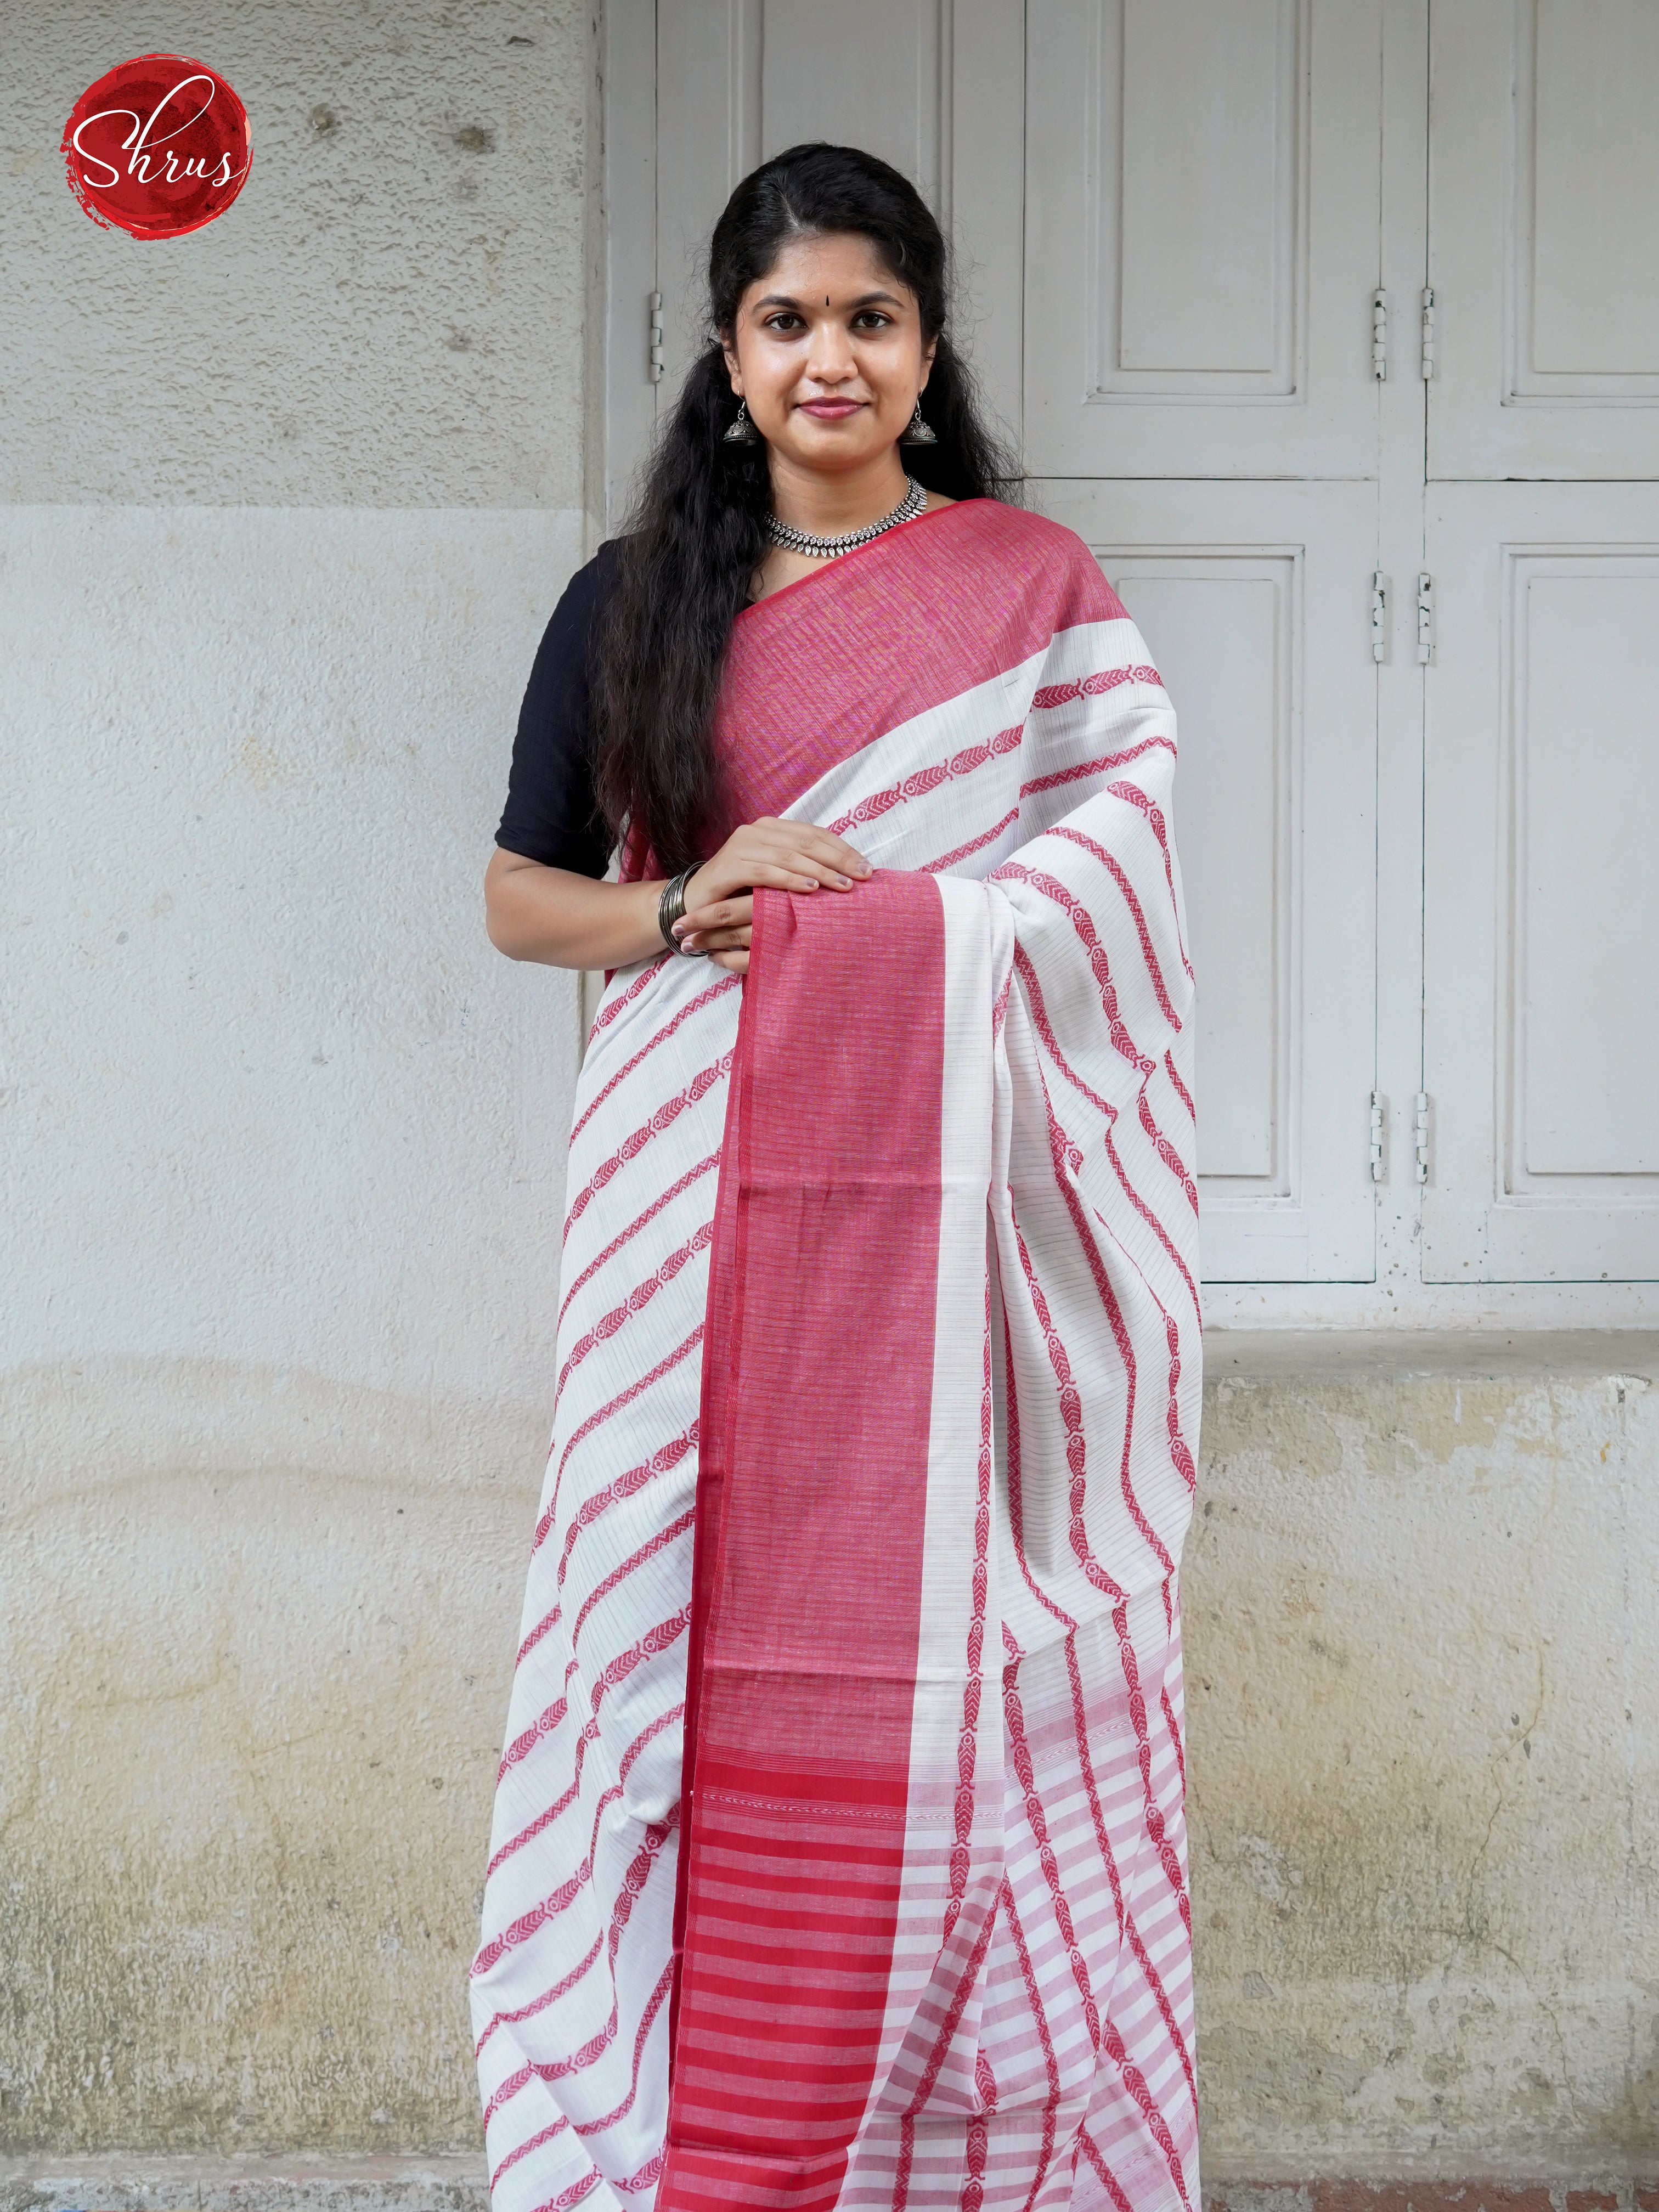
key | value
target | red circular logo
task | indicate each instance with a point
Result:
(158, 147)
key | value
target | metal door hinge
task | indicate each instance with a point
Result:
(1379, 335)
(1425, 617)
(1428, 330)
(1379, 614)
(1421, 1129)
(1376, 1136)
(654, 359)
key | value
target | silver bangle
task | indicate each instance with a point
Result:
(671, 908)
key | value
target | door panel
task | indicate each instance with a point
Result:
(1542, 1050)
(819, 86)
(1238, 722)
(1201, 237)
(1586, 895)
(1214, 298)
(1252, 599)
(1544, 201)
(708, 136)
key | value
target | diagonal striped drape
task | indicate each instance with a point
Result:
(839, 1856)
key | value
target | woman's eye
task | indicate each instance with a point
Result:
(873, 320)
(784, 324)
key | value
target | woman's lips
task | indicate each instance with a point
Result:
(830, 411)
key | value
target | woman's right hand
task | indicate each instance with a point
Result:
(767, 854)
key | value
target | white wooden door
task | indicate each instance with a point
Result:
(1541, 1040)
(1240, 271)
(1544, 211)
(1202, 237)
(1249, 596)
(1168, 216)
(1541, 739)
(1201, 259)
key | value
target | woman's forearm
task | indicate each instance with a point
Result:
(566, 920)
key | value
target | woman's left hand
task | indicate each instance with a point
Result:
(722, 930)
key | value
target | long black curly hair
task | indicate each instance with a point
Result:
(696, 537)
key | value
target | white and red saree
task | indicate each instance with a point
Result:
(839, 1856)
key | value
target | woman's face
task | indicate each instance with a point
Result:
(827, 349)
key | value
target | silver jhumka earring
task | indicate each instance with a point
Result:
(743, 431)
(918, 432)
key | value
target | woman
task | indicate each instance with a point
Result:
(838, 1855)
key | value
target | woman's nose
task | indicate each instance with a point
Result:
(829, 357)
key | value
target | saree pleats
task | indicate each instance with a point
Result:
(839, 1857)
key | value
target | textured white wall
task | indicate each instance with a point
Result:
(1423, 1698)
(391, 313)
(283, 1137)
(274, 1096)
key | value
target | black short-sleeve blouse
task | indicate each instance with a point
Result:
(551, 815)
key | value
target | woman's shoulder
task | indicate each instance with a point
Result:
(558, 679)
(1046, 553)
(1022, 532)
(550, 813)
(588, 586)
(563, 656)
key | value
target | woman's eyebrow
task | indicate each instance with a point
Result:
(865, 300)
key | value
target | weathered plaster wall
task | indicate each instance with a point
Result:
(1423, 1688)
(261, 1620)
(256, 1631)
(283, 1137)
(393, 312)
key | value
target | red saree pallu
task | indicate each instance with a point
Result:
(839, 1857)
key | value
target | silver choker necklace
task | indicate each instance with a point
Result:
(826, 548)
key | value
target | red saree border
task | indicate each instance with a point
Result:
(889, 537)
(812, 1502)
(836, 660)
(904, 624)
